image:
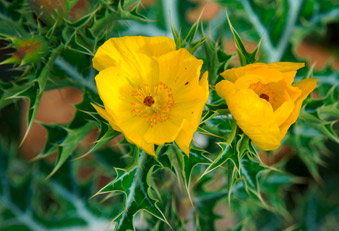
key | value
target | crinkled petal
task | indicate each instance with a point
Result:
(306, 86)
(185, 137)
(180, 70)
(286, 66)
(235, 73)
(289, 76)
(262, 75)
(115, 89)
(283, 112)
(129, 51)
(192, 122)
(288, 69)
(253, 115)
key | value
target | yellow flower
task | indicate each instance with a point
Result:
(263, 100)
(151, 92)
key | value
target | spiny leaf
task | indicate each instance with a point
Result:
(10, 28)
(172, 158)
(216, 59)
(180, 43)
(193, 31)
(215, 109)
(55, 136)
(106, 135)
(245, 57)
(35, 92)
(227, 152)
(249, 170)
(72, 140)
(133, 183)
(196, 157)
(323, 126)
(193, 46)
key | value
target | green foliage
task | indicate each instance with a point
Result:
(133, 182)
(263, 191)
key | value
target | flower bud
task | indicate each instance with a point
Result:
(28, 50)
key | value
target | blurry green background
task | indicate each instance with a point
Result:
(291, 30)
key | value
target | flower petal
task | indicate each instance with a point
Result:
(289, 76)
(283, 112)
(306, 86)
(192, 122)
(115, 89)
(127, 51)
(262, 75)
(288, 69)
(141, 143)
(180, 70)
(253, 115)
(286, 66)
(163, 132)
(234, 73)
(185, 137)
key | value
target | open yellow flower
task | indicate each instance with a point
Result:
(151, 92)
(263, 100)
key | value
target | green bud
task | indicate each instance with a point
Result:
(28, 50)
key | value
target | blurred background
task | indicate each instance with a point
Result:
(289, 30)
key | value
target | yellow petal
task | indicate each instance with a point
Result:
(191, 123)
(104, 114)
(283, 112)
(180, 71)
(234, 73)
(286, 66)
(185, 137)
(262, 74)
(115, 89)
(163, 132)
(130, 50)
(289, 76)
(288, 69)
(306, 86)
(142, 144)
(253, 115)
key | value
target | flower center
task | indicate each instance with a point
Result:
(154, 103)
(149, 101)
(265, 97)
(267, 92)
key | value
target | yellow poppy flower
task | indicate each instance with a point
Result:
(263, 101)
(151, 92)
